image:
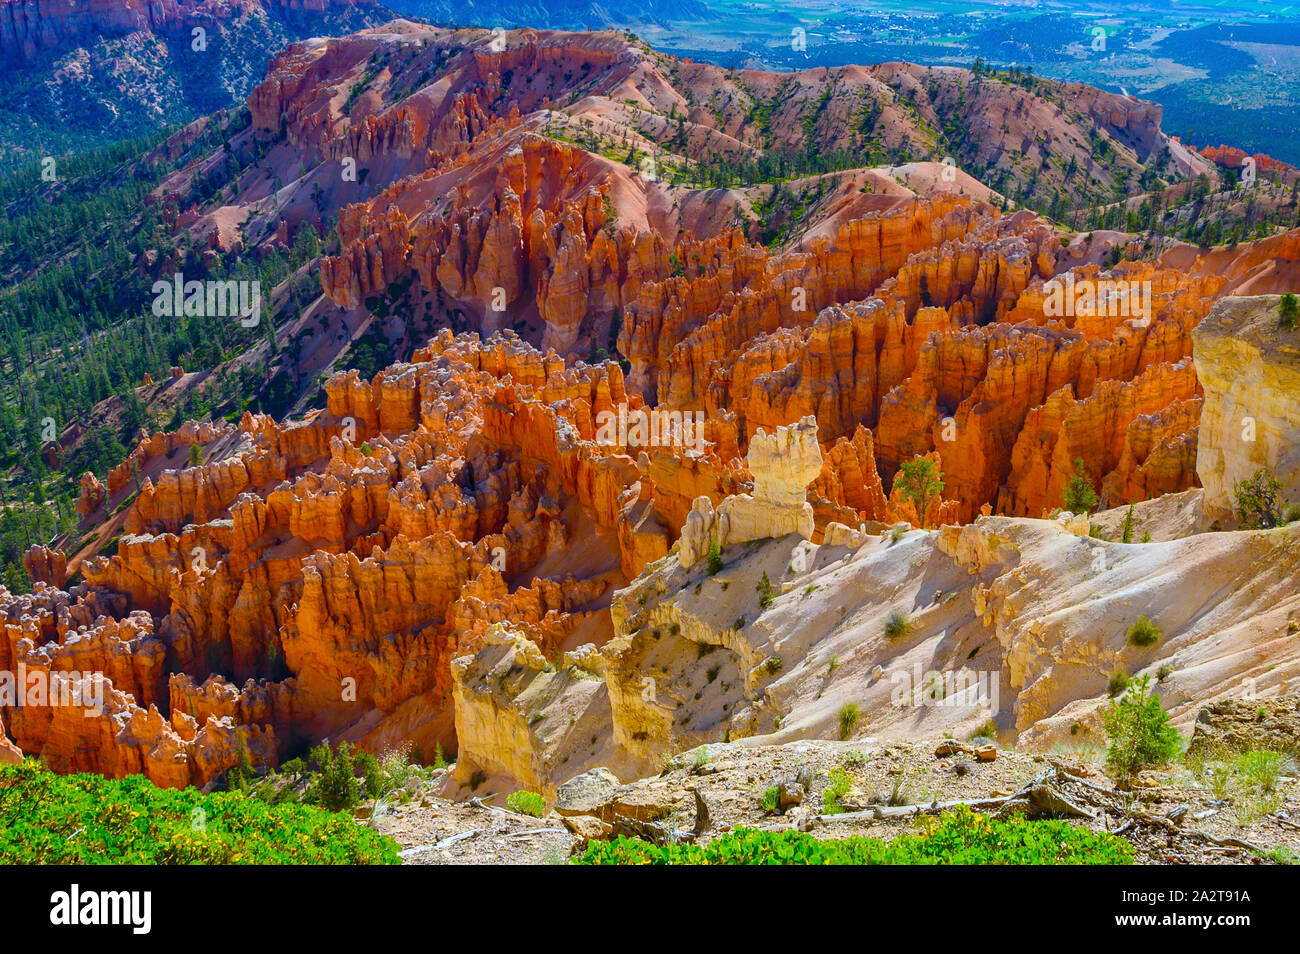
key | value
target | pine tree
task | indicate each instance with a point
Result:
(1080, 496)
(1139, 730)
(920, 481)
(1126, 534)
(1289, 310)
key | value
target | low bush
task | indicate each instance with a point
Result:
(86, 819)
(849, 716)
(897, 624)
(1140, 733)
(526, 803)
(1263, 769)
(1144, 632)
(961, 837)
(1259, 502)
(836, 788)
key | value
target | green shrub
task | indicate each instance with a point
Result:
(836, 789)
(961, 837)
(1118, 682)
(1219, 779)
(1144, 632)
(1280, 855)
(771, 799)
(86, 819)
(766, 591)
(1251, 782)
(337, 786)
(715, 558)
(1140, 733)
(1259, 501)
(1288, 310)
(1126, 531)
(374, 781)
(1262, 768)
(1079, 496)
(897, 624)
(848, 719)
(526, 803)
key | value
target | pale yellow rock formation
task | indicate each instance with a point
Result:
(838, 535)
(522, 722)
(1011, 620)
(1249, 368)
(783, 464)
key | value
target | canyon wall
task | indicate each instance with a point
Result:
(512, 497)
(1013, 627)
(1249, 367)
(30, 27)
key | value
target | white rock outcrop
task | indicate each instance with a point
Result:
(783, 464)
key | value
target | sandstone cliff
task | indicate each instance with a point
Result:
(782, 465)
(1014, 628)
(372, 570)
(1249, 368)
(318, 581)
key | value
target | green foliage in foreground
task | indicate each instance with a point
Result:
(1139, 730)
(961, 837)
(526, 803)
(85, 819)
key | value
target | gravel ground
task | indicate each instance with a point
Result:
(1169, 806)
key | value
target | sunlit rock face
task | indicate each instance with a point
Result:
(1249, 368)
